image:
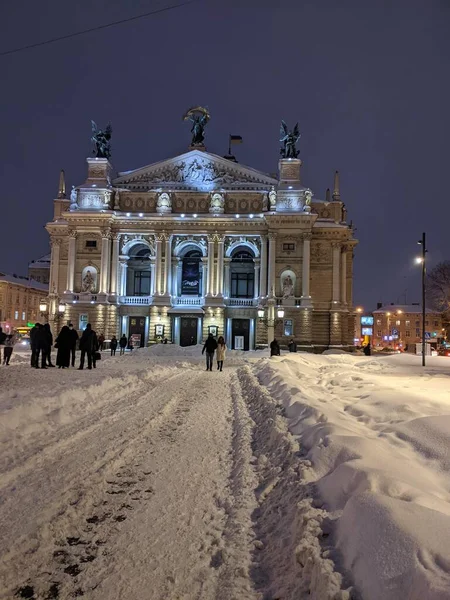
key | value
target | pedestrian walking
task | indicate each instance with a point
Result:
(113, 345)
(73, 343)
(63, 344)
(292, 346)
(123, 344)
(8, 349)
(274, 348)
(101, 341)
(2, 342)
(88, 347)
(210, 347)
(48, 345)
(220, 354)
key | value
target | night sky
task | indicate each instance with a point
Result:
(368, 83)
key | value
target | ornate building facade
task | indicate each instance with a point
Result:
(199, 243)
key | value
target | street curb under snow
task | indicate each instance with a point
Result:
(291, 556)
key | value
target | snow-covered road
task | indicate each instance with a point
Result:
(292, 478)
(138, 480)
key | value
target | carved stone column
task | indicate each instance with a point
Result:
(114, 263)
(168, 266)
(219, 272)
(210, 282)
(344, 276)
(158, 252)
(71, 256)
(272, 253)
(256, 283)
(153, 278)
(306, 269)
(54, 263)
(227, 282)
(105, 261)
(204, 266)
(336, 246)
(123, 262)
(263, 270)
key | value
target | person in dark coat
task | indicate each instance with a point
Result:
(73, 342)
(123, 344)
(88, 346)
(210, 347)
(367, 349)
(274, 348)
(33, 344)
(63, 344)
(2, 342)
(48, 345)
(292, 346)
(101, 341)
(113, 345)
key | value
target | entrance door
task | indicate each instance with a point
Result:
(137, 327)
(188, 331)
(240, 329)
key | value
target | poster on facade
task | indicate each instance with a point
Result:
(135, 340)
(213, 329)
(83, 321)
(159, 330)
(238, 342)
(190, 280)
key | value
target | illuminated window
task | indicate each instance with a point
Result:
(407, 323)
(16, 315)
(378, 321)
(23, 316)
(288, 327)
(397, 322)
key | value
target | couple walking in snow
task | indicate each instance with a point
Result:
(210, 347)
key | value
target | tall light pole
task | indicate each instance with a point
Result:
(422, 242)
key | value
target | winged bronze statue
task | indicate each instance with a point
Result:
(289, 140)
(199, 117)
(102, 140)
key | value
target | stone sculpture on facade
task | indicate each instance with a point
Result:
(272, 200)
(88, 283)
(289, 140)
(288, 287)
(199, 117)
(217, 204)
(308, 199)
(73, 198)
(164, 203)
(102, 140)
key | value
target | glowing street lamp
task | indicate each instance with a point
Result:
(280, 313)
(43, 307)
(422, 243)
(260, 313)
(62, 308)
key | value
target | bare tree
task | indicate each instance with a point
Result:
(438, 286)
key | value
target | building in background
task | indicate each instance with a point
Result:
(39, 269)
(199, 243)
(397, 325)
(20, 300)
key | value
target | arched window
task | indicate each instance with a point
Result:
(191, 273)
(242, 273)
(139, 271)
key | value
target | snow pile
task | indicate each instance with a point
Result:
(377, 434)
(292, 556)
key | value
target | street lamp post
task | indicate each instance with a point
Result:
(422, 242)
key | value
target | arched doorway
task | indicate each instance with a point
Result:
(139, 275)
(242, 274)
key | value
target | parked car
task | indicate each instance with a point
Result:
(444, 352)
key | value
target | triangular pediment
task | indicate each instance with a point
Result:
(198, 171)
